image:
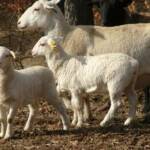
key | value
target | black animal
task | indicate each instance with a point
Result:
(114, 12)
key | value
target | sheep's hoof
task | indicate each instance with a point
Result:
(128, 122)
(103, 124)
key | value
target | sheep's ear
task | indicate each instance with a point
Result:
(54, 2)
(13, 54)
(50, 4)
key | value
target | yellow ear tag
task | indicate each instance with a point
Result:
(53, 45)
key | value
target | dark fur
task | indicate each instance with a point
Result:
(114, 13)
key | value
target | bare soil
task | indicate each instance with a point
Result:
(47, 134)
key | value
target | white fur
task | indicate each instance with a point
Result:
(115, 73)
(133, 39)
(25, 87)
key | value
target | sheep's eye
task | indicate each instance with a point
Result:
(7, 56)
(42, 44)
(36, 9)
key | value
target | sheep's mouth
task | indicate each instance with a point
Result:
(22, 28)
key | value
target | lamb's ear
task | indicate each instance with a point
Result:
(13, 54)
(53, 44)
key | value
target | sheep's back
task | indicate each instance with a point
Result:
(31, 83)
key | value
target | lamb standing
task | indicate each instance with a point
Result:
(133, 39)
(116, 73)
(24, 87)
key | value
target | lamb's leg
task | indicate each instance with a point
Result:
(115, 103)
(132, 108)
(10, 117)
(58, 104)
(75, 118)
(32, 112)
(3, 120)
(77, 105)
(3, 128)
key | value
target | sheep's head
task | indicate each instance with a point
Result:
(5, 57)
(46, 45)
(41, 15)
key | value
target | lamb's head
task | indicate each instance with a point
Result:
(41, 15)
(5, 57)
(47, 45)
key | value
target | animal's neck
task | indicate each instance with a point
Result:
(56, 61)
(60, 28)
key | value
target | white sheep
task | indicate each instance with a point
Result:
(25, 87)
(133, 39)
(115, 73)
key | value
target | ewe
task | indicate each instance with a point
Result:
(133, 40)
(25, 87)
(115, 73)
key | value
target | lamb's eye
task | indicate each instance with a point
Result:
(43, 44)
(36, 9)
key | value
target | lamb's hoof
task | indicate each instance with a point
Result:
(65, 128)
(127, 122)
(79, 125)
(7, 137)
(73, 123)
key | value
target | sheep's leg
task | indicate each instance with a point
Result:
(60, 108)
(77, 105)
(86, 111)
(32, 112)
(115, 103)
(132, 108)
(10, 117)
(146, 100)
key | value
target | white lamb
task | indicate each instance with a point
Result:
(115, 73)
(25, 87)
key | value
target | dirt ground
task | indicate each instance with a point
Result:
(47, 131)
(47, 134)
